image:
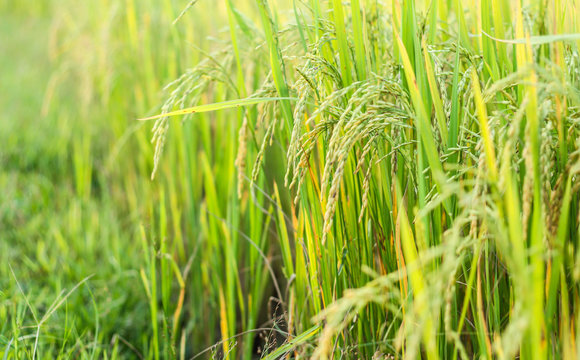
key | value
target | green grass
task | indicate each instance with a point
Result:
(325, 179)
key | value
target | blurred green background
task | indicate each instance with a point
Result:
(77, 200)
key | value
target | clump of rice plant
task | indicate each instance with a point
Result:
(432, 173)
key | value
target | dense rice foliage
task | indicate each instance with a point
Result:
(326, 179)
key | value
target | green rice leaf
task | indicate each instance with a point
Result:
(538, 39)
(217, 106)
(286, 348)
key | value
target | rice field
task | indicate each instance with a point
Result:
(275, 179)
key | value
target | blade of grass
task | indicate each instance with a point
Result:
(218, 106)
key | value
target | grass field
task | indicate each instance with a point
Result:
(264, 179)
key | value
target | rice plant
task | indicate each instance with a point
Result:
(433, 168)
(360, 179)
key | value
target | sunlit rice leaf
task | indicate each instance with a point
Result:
(537, 40)
(217, 106)
(298, 340)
